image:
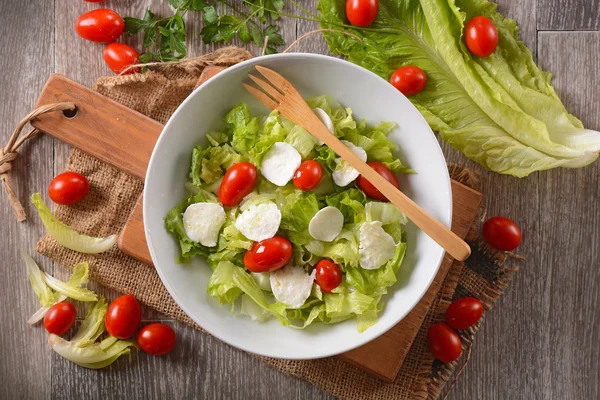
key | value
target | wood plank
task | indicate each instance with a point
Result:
(101, 127)
(199, 367)
(384, 356)
(28, 59)
(568, 14)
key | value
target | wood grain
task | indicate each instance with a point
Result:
(25, 365)
(540, 342)
(568, 15)
(101, 127)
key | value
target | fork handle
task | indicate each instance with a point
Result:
(443, 236)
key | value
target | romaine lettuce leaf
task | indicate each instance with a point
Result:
(351, 203)
(43, 292)
(67, 236)
(499, 111)
(93, 325)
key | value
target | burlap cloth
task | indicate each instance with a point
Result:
(113, 194)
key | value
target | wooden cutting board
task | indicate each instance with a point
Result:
(124, 138)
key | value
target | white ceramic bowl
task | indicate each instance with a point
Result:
(370, 97)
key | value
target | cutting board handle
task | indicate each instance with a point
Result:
(99, 127)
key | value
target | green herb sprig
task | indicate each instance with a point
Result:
(165, 38)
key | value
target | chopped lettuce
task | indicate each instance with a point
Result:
(74, 291)
(93, 325)
(91, 356)
(67, 236)
(247, 137)
(500, 111)
(38, 283)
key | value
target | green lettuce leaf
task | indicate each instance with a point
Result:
(67, 236)
(43, 292)
(92, 356)
(500, 111)
(343, 250)
(221, 285)
(386, 213)
(93, 325)
(302, 141)
(297, 209)
(351, 203)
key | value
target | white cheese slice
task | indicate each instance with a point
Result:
(326, 224)
(325, 119)
(263, 280)
(291, 285)
(259, 222)
(376, 245)
(203, 222)
(279, 163)
(344, 174)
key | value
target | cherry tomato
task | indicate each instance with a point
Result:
(502, 233)
(156, 339)
(68, 188)
(361, 12)
(308, 175)
(368, 187)
(443, 342)
(481, 36)
(100, 25)
(409, 80)
(119, 56)
(464, 312)
(123, 317)
(239, 180)
(329, 275)
(268, 255)
(60, 318)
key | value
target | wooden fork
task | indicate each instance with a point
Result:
(279, 94)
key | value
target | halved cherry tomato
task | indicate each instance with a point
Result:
(368, 187)
(239, 180)
(464, 313)
(119, 56)
(409, 80)
(268, 255)
(123, 317)
(481, 36)
(502, 233)
(329, 275)
(100, 25)
(156, 339)
(362, 12)
(443, 342)
(68, 188)
(308, 175)
(60, 318)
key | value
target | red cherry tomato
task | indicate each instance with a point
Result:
(329, 275)
(409, 80)
(361, 12)
(268, 255)
(123, 317)
(239, 180)
(502, 233)
(60, 318)
(368, 187)
(308, 175)
(443, 342)
(100, 25)
(68, 188)
(119, 56)
(481, 36)
(156, 339)
(464, 313)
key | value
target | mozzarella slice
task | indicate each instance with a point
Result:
(344, 174)
(376, 245)
(263, 280)
(292, 285)
(203, 222)
(279, 163)
(259, 222)
(326, 224)
(325, 119)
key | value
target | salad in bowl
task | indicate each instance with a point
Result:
(289, 229)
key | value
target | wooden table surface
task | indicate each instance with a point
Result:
(540, 342)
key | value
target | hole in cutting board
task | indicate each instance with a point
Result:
(70, 113)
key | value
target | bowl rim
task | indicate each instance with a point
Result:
(161, 272)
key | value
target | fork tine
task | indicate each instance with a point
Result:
(261, 96)
(266, 87)
(277, 80)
